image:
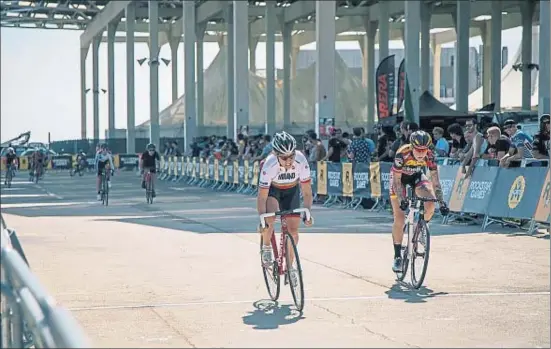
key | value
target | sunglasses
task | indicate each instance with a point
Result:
(287, 157)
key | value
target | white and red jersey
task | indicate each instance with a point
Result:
(272, 174)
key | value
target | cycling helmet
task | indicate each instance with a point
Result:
(10, 150)
(103, 146)
(283, 143)
(420, 140)
(150, 146)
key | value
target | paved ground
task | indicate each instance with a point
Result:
(185, 272)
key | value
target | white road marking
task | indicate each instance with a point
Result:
(16, 196)
(321, 299)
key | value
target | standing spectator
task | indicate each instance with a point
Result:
(336, 146)
(316, 149)
(521, 143)
(458, 140)
(406, 129)
(346, 141)
(361, 148)
(176, 152)
(267, 147)
(384, 143)
(442, 147)
(498, 145)
(541, 140)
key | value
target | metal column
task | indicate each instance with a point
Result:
(111, 30)
(325, 62)
(271, 23)
(240, 67)
(495, 78)
(413, 27)
(130, 79)
(544, 105)
(462, 54)
(154, 130)
(83, 111)
(383, 29)
(368, 49)
(230, 131)
(190, 126)
(527, 10)
(486, 61)
(95, 84)
(286, 32)
(200, 35)
(174, 44)
(425, 47)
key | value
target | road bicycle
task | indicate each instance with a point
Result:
(149, 188)
(104, 185)
(282, 264)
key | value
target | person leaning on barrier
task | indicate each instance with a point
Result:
(441, 147)
(541, 140)
(498, 144)
(458, 140)
(521, 144)
(477, 147)
(407, 169)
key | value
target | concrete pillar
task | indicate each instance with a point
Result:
(130, 80)
(295, 50)
(271, 24)
(83, 111)
(200, 35)
(544, 105)
(425, 47)
(111, 31)
(412, 30)
(362, 43)
(253, 43)
(190, 126)
(230, 131)
(369, 67)
(154, 129)
(462, 56)
(436, 66)
(496, 65)
(95, 84)
(384, 29)
(286, 31)
(241, 70)
(486, 34)
(325, 62)
(527, 10)
(174, 43)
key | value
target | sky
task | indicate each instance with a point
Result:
(40, 80)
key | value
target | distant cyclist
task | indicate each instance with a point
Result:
(408, 169)
(103, 161)
(279, 190)
(38, 158)
(148, 161)
(11, 160)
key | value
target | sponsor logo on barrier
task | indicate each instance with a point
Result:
(334, 178)
(361, 179)
(385, 179)
(447, 186)
(516, 192)
(60, 162)
(479, 189)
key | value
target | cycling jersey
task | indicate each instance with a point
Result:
(10, 159)
(276, 176)
(406, 164)
(101, 160)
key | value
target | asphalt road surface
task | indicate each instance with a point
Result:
(185, 272)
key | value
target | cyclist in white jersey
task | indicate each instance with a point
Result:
(103, 158)
(280, 175)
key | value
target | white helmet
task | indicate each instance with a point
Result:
(10, 150)
(283, 143)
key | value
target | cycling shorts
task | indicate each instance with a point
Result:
(150, 169)
(415, 181)
(288, 199)
(101, 166)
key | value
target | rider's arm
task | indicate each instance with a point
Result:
(435, 178)
(397, 176)
(96, 161)
(266, 177)
(306, 183)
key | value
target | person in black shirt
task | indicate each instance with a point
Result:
(458, 140)
(148, 161)
(336, 145)
(498, 145)
(406, 129)
(541, 140)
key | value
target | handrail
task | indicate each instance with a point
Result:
(26, 302)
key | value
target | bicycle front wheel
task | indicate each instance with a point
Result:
(420, 253)
(105, 191)
(271, 274)
(296, 283)
(400, 275)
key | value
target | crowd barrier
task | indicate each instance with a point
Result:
(497, 194)
(29, 316)
(66, 162)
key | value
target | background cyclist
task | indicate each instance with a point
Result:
(148, 161)
(103, 161)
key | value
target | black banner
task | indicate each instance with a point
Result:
(62, 162)
(385, 85)
(314, 176)
(401, 85)
(517, 192)
(385, 179)
(128, 160)
(479, 193)
(334, 178)
(229, 167)
(241, 172)
(210, 169)
(361, 180)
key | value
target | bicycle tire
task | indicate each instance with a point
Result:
(400, 276)
(273, 293)
(105, 191)
(417, 280)
(298, 295)
(148, 191)
(9, 177)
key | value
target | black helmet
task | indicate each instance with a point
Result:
(420, 140)
(283, 143)
(150, 146)
(545, 118)
(103, 146)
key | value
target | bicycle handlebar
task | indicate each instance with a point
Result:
(263, 216)
(422, 199)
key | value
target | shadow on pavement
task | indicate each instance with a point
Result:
(269, 315)
(402, 291)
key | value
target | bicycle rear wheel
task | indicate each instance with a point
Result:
(297, 290)
(271, 273)
(400, 276)
(9, 176)
(149, 190)
(105, 189)
(420, 253)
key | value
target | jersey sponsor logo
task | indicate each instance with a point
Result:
(287, 176)
(263, 184)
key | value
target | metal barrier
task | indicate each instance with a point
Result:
(507, 196)
(29, 316)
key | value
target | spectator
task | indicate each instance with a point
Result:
(406, 129)
(521, 143)
(541, 140)
(361, 148)
(336, 146)
(498, 145)
(346, 142)
(176, 152)
(266, 144)
(442, 147)
(316, 150)
(458, 140)
(476, 145)
(384, 143)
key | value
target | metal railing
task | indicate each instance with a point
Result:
(29, 315)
